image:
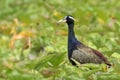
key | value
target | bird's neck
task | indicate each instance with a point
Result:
(71, 35)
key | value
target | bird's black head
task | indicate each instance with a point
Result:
(68, 19)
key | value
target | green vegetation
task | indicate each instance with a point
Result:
(34, 47)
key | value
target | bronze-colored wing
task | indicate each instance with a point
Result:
(102, 57)
(84, 54)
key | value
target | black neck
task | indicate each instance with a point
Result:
(71, 35)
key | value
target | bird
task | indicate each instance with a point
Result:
(78, 51)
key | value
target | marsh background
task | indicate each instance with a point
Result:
(34, 47)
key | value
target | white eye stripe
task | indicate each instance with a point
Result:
(71, 17)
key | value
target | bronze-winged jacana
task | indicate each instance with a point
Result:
(78, 51)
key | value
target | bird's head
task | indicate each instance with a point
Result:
(68, 19)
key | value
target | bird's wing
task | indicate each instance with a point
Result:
(102, 57)
(85, 54)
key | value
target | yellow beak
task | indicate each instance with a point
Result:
(62, 20)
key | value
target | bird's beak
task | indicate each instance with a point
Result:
(62, 20)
